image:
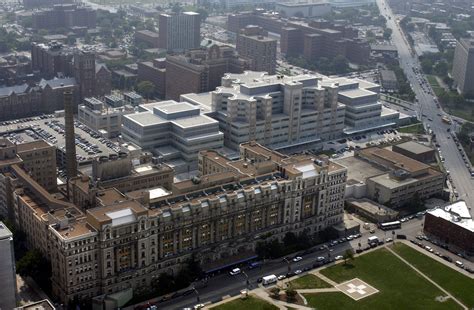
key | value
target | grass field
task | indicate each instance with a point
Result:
(248, 303)
(309, 281)
(414, 129)
(437, 89)
(399, 286)
(461, 286)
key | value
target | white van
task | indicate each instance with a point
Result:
(269, 279)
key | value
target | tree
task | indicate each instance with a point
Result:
(348, 255)
(290, 294)
(203, 13)
(427, 65)
(387, 33)
(146, 89)
(275, 292)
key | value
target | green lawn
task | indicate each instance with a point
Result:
(414, 129)
(399, 286)
(434, 84)
(247, 303)
(309, 281)
(461, 286)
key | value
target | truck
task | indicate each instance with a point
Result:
(446, 119)
(269, 279)
(373, 240)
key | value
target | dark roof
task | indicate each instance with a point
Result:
(18, 89)
(57, 83)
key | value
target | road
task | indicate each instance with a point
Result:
(459, 172)
(227, 285)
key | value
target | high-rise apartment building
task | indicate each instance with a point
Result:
(463, 66)
(254, 45)
(7, 269)
(126, 243)
(179, 32)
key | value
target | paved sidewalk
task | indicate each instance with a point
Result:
(323, 277)
(437, 258)
(427, 278)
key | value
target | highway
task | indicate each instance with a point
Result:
(461, 178)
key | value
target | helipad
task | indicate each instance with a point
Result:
(356, 289)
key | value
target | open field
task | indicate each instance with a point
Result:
(461, 286)
(250, 302)
(399, 286)
(413, 129)
(309, 281)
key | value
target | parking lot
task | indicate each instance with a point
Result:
(345, 147)
(50, 128)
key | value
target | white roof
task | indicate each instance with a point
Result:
(456, 213)
(158, 192)
(121, 217)
(308, 171)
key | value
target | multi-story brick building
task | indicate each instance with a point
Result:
(254, 45)
(200, 70)
(405, 180)
(51, 59)
(29, 4)
(452, 225)
(311, 40)
(122, 244)
(38, 158)
(155, 72)
(147, 38)
(55, 60)
(24, 100)
(65, 16)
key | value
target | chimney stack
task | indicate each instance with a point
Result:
(71, 163)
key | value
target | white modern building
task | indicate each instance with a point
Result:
(310, 8)
(280, 112)
(174, 131)
(98, 116)
(364, 111)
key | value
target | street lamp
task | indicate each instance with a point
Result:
(197, 294)
(247, 281)
(289, 264)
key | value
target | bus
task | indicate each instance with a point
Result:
(391, 225)
(446, 119)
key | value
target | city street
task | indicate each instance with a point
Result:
(224, 284)
(460, 174)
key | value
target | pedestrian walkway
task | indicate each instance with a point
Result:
(426, 277)
(323, 277)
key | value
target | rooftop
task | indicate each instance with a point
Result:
(456, 213)
(414, 147)
(396, 160)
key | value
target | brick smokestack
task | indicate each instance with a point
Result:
(71, 163)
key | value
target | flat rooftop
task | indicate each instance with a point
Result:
(359, 169)
(398, 161)
(372, 207)
(356, 93)
(456, 213)
(415, 147)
